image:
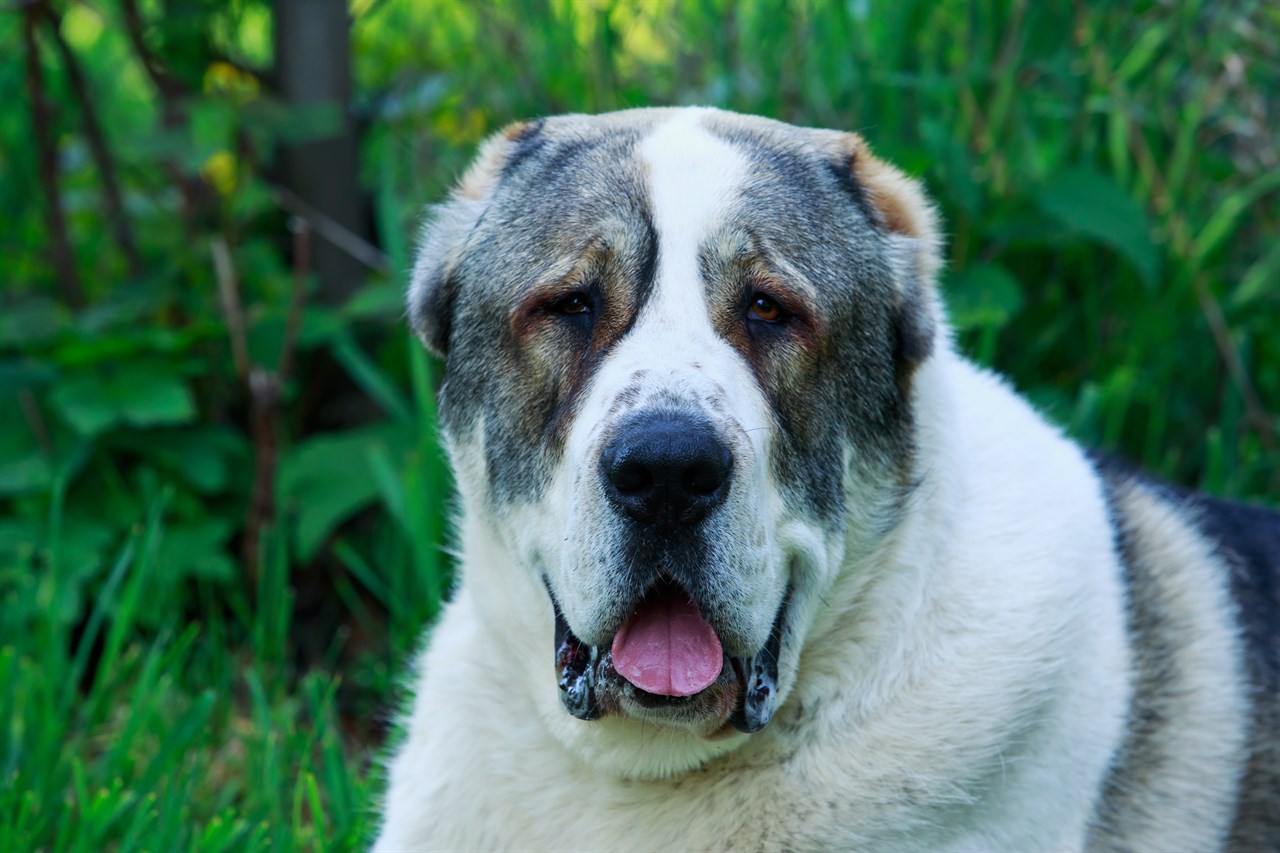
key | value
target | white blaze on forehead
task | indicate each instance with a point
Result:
(673, 350)
(693, 175)
(692, 179)
(672, 358)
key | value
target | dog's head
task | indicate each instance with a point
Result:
(678, 349)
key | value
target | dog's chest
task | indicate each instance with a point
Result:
(700, 811)
(539, 798)
(492, 776)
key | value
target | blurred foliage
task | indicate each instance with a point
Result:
(1108, 175)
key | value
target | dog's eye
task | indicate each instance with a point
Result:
(572, 303)
(765, 308)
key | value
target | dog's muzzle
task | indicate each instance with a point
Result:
(666, 472)
(743, 690)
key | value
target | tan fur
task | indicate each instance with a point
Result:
(481, 179)
(900, 200)
(515, 130)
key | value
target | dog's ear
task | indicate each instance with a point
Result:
(898, 205)
(433, 289)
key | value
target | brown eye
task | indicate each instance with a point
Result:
(572, 303)
(764, 308)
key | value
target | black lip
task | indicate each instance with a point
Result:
(577, 663)
(759, 676)
(582, 668)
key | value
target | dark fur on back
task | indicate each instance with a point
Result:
(1247, 538)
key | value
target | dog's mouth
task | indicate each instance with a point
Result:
(667, 658)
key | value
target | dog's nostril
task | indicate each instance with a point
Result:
(631, 478)
(666, 468)
(706, 477)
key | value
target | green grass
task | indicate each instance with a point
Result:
(1108, 174)
(174, 738)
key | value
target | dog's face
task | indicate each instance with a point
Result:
(678, 351)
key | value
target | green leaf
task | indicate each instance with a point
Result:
(31, 321)
(1093, 205)
(326, 479)
(371, 379)
(126, 308)
(120, 345)
(1228, 215)
(20, 374)
(197, 549)
(213, 124)
(24, 474)
(320, 325)
(982, 296)
(275, 121)
(137, 394)
(200, 455)
(80, 543)
(1262, 279)
(19, 537)
(377, 301)
(1144, 50)
(76, 553)
(24, 467)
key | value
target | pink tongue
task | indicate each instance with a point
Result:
(668, 649)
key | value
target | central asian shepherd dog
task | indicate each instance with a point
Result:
(752, 559)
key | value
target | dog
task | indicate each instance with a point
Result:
(752, 559)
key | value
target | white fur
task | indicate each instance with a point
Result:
(913, 736)
(691, 176)
(962, 687)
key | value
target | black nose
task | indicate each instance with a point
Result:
(667, 469)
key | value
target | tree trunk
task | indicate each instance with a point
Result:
(312, 68)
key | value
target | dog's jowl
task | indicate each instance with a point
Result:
(752, 559)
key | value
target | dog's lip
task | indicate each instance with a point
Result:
(746, 691)
(759, 677)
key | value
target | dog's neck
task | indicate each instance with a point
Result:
(885, 588)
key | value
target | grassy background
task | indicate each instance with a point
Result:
(1108, 174)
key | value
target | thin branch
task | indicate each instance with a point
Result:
(63, 256)
(171, 91)
(264, 386)
(298, 298)
(35, 420)
(264, 401)
(232, 310)
(166, 84)
(97, 144)
(333, 231)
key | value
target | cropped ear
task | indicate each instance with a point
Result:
(433, 288)
(899, 206)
